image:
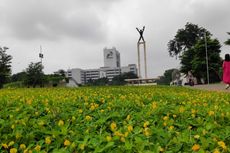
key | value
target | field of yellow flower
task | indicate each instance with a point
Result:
(114, 119)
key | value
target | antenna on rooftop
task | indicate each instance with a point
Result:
(40, 54)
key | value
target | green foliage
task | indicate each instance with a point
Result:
(5, 66)
(120, 79)
(166, 78)
(21, 76)
(195, 59)
(98, 82)
(17, 84)
(34, 75)
(114, 119)
(227, 42)
(54, 79)
(190, 45)
(186, 38)
(117, 80)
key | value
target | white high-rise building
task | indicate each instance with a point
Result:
(111, 69)
(111, 58)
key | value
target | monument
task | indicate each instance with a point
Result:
(140, 80)
(140, 42)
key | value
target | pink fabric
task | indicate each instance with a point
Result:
(226, 72)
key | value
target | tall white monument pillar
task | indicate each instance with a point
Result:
(139, 44)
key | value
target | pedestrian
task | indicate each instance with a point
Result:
(226, 71)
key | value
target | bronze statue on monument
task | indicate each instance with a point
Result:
(141, 31)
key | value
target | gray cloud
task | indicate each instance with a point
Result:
(53, 19)
(74, 32)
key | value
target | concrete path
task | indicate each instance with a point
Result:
(212, 87)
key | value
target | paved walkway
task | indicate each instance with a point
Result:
(212, 87)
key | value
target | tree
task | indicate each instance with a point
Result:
(34, 75)
(21, 76)
(186, 38)
(5, 66)
(228, 41)
(166, 78)
(190, 46)
(120, 79)
(98, 82)
(195, 60)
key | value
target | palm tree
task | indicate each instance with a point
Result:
(228, 41)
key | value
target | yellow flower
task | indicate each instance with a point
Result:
(165, 118)
(128, 117)
(102, 110)
(60, 123)
(216, 151)
(82, 146)
(196, 147)
(196, 136)
(67, 143)
(122, 139)
(80, 111)
(5, 146)
(174, 116)
(12, 126)
(88, 118)
(47, 140)
(22, 146)
(11, 143)
(211, 113)
(73, 118)
(18, 135)
(37, 148)
(13, 150)
(204, 132)
(193, 111)
(222, 144)
(181, 109)
(113, 126)
(162, 149)
(92, 107)
(171, 127)
(154, 105)
(146, 124)
(117, 133)
(108, 138)
(165, 124)
(126, 134)
(147, 132)
(130, 128)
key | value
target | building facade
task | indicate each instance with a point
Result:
(111, 69)
(111, 58)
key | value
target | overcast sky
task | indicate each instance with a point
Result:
(73, 33)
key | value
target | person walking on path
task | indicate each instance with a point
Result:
(226, 70)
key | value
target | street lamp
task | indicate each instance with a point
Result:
(206, 50)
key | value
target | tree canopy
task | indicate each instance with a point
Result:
(34, 74)
(166, 78)
(5, 66)
(227, 42)
(189, 44)
(186, 38)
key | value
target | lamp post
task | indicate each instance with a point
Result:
(206, 50)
